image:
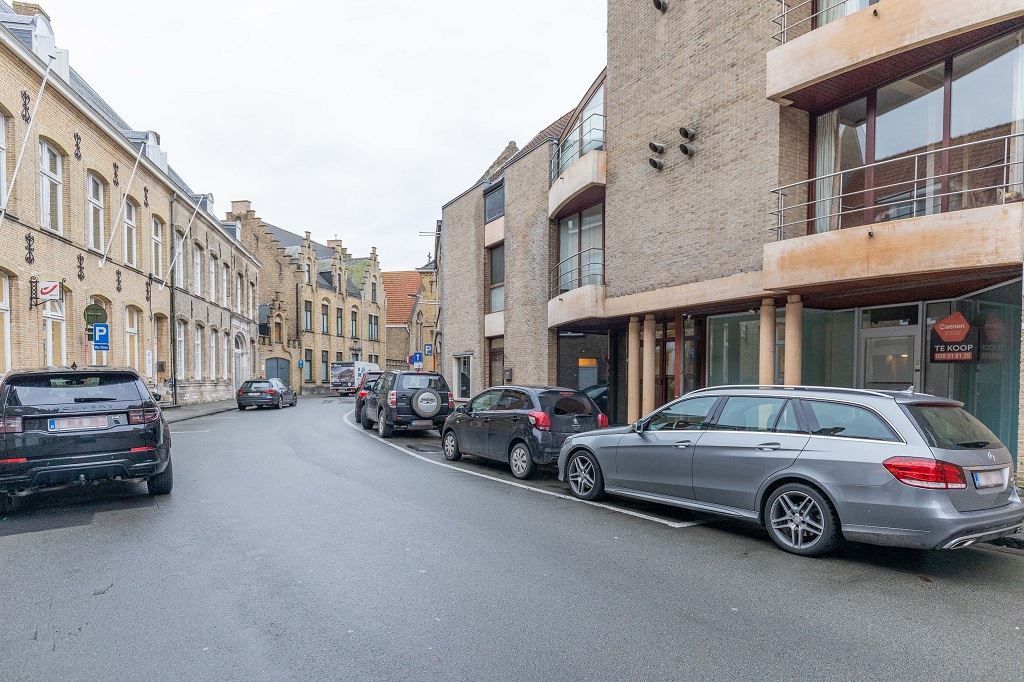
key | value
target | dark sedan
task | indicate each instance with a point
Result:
(265, 393)
(524, 426)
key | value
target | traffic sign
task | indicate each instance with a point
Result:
(428, 349)
(416, 360)
(302, 363)
(101, 336)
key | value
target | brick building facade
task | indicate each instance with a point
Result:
(412, 315)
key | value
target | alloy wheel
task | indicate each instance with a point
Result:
(449, 445)
(797, 520)
(581, 475)
(519, 460)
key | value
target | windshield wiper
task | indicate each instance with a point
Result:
(94, 400)
(974, 444)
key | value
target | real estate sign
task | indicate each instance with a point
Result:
(953, 339)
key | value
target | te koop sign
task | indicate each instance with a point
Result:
(953, 339)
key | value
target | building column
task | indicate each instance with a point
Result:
(650, 365)
(766, 359)
(794, 341)
(633, 371)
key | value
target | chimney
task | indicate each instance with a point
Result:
(308, 236)
(240, 208)
(29, 9)
(153, 151)
(334, 244)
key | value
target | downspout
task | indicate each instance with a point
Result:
(299, 315)
(174, 317)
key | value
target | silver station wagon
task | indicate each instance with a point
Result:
(813, 465)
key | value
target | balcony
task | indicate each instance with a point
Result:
(579, 270)
(828, 49)
(579, 168)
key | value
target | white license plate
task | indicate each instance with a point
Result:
(990, 479)
(423, 422)
(255, 395)
(77, 423)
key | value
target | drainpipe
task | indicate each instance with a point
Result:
(174, 318)
(299, 314)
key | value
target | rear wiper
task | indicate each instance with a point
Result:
(974, 444)
(94, 400)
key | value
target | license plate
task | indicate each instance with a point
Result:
(422, 422)
(76, 423)
(990, 479)
(255, 395)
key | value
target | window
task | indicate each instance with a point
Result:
(94, 211)
(179, 350)
(952, 428)
(496, 259)
(325, 366)
(3, 161)
(581, 249)
(131, 336)
(51, 199)
(462, 383)
(356, 357)
(307, 366)
(788, 421)
(198, 350)
(685, 415)
(157, 255)
(309, 272)
(496, 360)
(373, 328)
(97, 358)
(225, 293)
(374, 359)
(213, 278)
(197, 270)
(353, 325)
(252, 300)
(339, 322)
(130, 251)
(239, 292)
(55, 336)
(494, 203)
(338, 357)
(485, 401)
(213, 355)
(325, 318)
(179, 259)
(226, 356)
(845, 421)
(278, 330)
(307, 316)
(749, 414)
(373, 291)
(5, 314)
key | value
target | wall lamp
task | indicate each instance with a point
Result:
(661, 5)
(656, 164)
(687, 149)
(688, 134)
(656, 147)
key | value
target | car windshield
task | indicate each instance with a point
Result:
(57, 389)
(952, 428)
(560, 403)
(418, 381)
(256, 385)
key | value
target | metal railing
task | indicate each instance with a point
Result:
(797, 19)
(580, 269)
(903, 187)
(586, 136)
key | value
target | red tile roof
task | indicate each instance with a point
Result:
(401, 289)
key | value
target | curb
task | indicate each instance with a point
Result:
(196, 416)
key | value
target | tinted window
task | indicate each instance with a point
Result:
(686, 415)
(788, 422)
(76, 387)
(417, 381)
(846, 421)
(514, 400)
(750, 413)
(952, 428)
(484, 401)
(256, 385)
(561, 403)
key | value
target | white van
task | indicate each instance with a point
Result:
(345, 376)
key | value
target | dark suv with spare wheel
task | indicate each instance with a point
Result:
(61, 427)
(415, 401)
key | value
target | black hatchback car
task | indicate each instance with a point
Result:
(524, 426)
(60, 427)
(261, 393)
(414, 401)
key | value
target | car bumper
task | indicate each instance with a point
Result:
(254, 401)
(55, 473)
(417, 424)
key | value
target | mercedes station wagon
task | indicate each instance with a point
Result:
(813, 465)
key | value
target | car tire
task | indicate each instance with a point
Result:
(162, 483)
(279, 404)
(384, 430)
(583, 474)
(520, 461)
(801, 520)
(242, 407)
(295, 400)
(364, 419)
(450, 446)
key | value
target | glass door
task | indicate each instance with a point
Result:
(890, 349)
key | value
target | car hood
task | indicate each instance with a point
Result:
(615, 431)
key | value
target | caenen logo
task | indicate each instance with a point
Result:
(953, 329)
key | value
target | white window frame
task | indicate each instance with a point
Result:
(213, 278)
(3, 162)
(95, 205)
(252, 301)
(239, 292)
(197, 270)
(213, 354)
(179, 259)
(5, 318)
(54, 314)
(157, 248)
(226, 356)
(197, 347)
(50, 182)
(225, 279)
(179, 350)
(132, 324)
(131, 241)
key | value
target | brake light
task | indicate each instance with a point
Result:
(921, 472)
(239, 392)
(143, 416)
(143, 449)
(362, 394)
(602, 420)
(540, 420)
(14, 460)
(10, 425)
(451, 401)
(393, 398)
(270, 391)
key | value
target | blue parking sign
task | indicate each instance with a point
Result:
(428, 349)
(100, 336)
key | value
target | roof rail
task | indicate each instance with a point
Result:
(777, 387)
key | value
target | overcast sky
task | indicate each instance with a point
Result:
(350, 117)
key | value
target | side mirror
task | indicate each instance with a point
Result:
(637, 426)
(461, 409)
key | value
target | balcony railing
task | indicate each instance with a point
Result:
(581, 269)
(796, 18)
(984, 173)
(586, 136)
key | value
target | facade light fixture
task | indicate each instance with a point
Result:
(688, 134)
(656, 164)
(687, 149)
(656, 147)
(661, 5)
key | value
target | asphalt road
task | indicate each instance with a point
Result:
(295, 546)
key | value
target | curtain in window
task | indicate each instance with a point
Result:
(826, 144)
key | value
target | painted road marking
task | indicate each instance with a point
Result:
(628, 512)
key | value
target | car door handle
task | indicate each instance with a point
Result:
(683, 444)
(768, 447)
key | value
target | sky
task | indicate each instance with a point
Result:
(355, 118)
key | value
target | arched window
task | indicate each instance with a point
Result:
(5, 321)
(56, 333)
(99, 358)
(197, 269)
(225, 356)
(132, 322)
(213, 355)
(51, 181)
(225, 289)
(179, 350)
(198, 350)
(95, 212)
(157, 250)
(130, 233)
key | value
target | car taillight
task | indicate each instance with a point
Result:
(393, 398)
(240, 391)
(270, 391)
(921, 472)
(362, 394)
(144, 416)
(143, 448)
(602, 420)
(451, 401)
(540, 420)
(10, 425)
(14, 460)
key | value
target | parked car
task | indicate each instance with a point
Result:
(62, 427)
(366, 385)
(262, 393)
(524, 426)
(346, 376)
(813, 465)
(412, 401)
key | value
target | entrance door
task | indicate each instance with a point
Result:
(889, 354)
(279, 368)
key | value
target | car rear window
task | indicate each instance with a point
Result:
(71, 387)
(560, 403)
(417, 381)
(952, 428)
(256, 385)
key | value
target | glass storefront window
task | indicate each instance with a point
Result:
(733, 349)
(829, 347)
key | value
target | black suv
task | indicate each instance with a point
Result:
(416, 401)
(63, 426)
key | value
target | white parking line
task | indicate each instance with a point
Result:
(627, 512)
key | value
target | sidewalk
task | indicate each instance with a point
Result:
(180, 413)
